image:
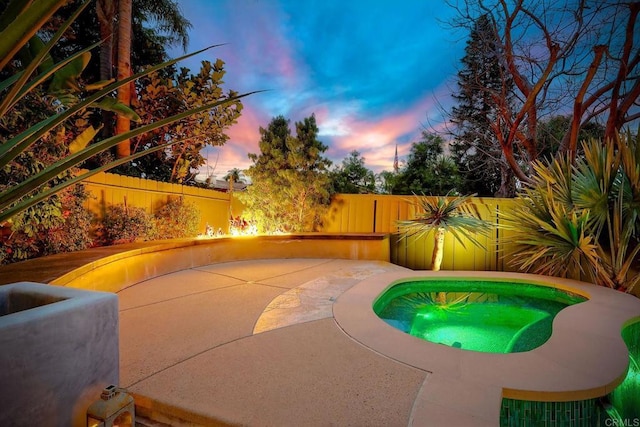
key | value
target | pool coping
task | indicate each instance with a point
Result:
(585, 357)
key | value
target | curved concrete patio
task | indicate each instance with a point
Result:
(255, 343)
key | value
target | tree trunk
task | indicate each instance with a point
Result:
(436, 259)
(570, 140)
(438, 248)
(507, 182)
(106, 9)
(617, 112)
(124, 70)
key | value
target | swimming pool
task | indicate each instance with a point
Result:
(485, 316)
(582, 361)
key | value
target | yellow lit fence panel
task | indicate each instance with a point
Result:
(351, 213)
(110, 189)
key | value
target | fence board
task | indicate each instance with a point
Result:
(353, 213)
(349, 213)
(110, 189)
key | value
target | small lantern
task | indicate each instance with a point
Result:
(115, 408)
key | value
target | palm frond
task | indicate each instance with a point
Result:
(457, 215)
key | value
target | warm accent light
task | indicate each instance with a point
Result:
(115, 408)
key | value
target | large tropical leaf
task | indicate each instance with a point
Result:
(559, 246)
(594, 179)
(18, 144)
(20, 83)
(585, 228)
(46, 72)
(67, 77)
(112, 104)
(82, 140)
(25, 188)
(18, 24)
(20, 21)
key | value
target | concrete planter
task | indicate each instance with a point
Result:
(58, 350)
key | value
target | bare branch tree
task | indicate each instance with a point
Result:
(580, 58)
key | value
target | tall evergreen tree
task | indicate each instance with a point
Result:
(353, 177)
(481, 82)
(290, 189)
(428, 170)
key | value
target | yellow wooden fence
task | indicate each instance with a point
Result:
(110, 189)
(380, 213)
(349, 213)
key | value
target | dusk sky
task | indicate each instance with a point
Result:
(374, 72)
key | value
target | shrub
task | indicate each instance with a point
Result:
(125, 224)
(59, 224)
(74, 234)
(177, 219)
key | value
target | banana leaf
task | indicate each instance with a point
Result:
(19, 23)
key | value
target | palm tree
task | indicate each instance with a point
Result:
(106, 12)
(168, 18)
(123, 125)
(456, 215)
(232, 176)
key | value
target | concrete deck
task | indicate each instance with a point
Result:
(256, 343)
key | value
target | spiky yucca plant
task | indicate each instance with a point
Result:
(582, 221)
(439, 215)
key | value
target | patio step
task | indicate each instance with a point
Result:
(146, 422)
(152, 414)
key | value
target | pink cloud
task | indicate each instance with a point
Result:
(342, 127)
(243, 139)
(259, 45)
(376, 140)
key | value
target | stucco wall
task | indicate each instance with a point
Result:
(56, 357)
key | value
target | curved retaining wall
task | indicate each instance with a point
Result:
(116, 267)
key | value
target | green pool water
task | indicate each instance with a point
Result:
(486, 316)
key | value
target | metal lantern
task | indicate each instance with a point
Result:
(115, 408)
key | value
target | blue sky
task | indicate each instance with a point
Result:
(374, 72)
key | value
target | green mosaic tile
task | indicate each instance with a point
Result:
(516, 413)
